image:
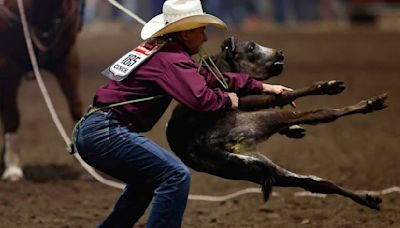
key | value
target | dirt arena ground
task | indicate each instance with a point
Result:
(359, 152)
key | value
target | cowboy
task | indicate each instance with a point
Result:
(109, 139)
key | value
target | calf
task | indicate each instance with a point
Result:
(224, 143)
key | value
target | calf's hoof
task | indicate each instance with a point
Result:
(372, 202)
(374, 103)
(294, 131)
(12, 173)
(332, 87)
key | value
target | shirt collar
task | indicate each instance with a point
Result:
(175, 44)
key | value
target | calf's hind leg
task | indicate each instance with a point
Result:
(232, 166)
(285, 178)
(259, 169)
(315, 184)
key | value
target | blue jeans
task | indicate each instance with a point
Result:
(149, 171)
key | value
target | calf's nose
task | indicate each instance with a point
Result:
(279, 55)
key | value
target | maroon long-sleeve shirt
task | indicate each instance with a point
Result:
(170, 72)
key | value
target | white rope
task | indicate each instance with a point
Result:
(114, 184)
(394, 189)
(128, 12)
(228, 196)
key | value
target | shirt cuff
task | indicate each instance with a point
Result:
(228, 103)
(259, 86)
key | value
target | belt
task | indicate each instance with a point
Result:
(114, 115)
(93, 109)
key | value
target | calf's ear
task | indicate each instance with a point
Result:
(229, 46)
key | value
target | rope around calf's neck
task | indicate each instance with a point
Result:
(214, 71)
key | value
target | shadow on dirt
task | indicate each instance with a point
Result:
(47, 173)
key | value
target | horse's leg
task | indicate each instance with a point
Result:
(10, 80)
(11, 153)
(257, 102)
(67, 74)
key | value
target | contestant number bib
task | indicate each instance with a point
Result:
(127, 63)
(119, 70)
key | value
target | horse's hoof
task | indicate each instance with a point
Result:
(13, 173)
(332, 87)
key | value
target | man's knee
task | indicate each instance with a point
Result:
(185, 175)
(181, 176)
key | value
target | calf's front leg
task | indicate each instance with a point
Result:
(257, 102)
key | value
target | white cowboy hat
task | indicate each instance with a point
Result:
(179, 15)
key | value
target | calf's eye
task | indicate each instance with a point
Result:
(251, 47)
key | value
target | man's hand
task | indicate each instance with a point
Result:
(234, 99)
(277, 90)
